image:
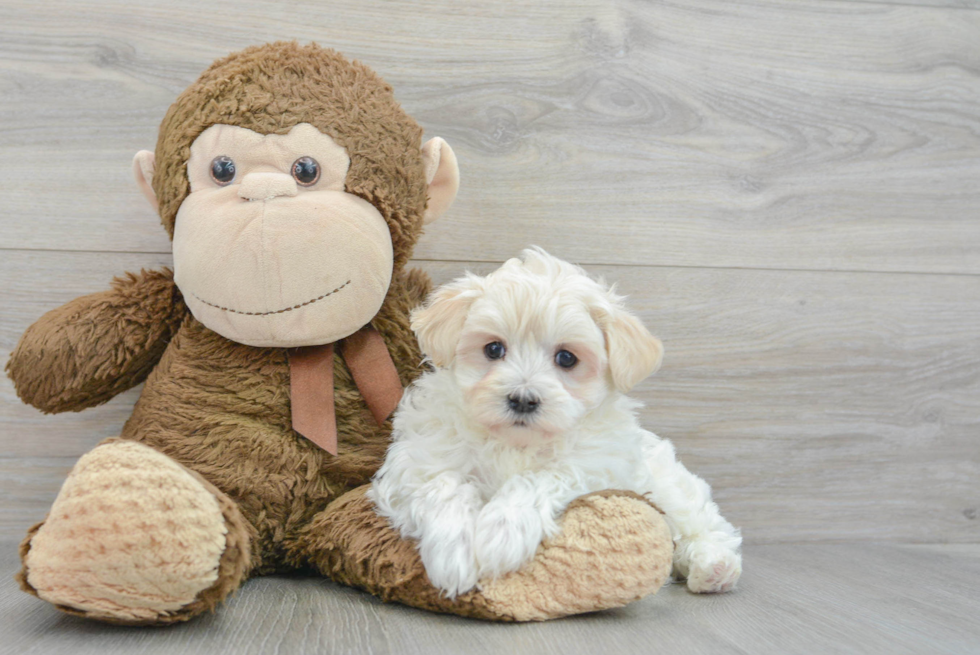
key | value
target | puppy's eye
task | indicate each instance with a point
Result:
(306, 171)
(222, 170)
(565, 359)
(494, 350)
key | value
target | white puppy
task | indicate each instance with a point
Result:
(523, 413)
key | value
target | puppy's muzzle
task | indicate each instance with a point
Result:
(523, 404)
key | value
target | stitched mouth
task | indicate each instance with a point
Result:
(275, 311)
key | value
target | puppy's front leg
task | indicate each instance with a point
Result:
(707, 547)
(510, 526)
(445, 510)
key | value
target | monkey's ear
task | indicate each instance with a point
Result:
(442, 176)
(144, 163)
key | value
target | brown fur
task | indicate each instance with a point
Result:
(221, 409)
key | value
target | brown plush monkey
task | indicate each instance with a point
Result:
(294, 188)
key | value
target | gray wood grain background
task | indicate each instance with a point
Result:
(788, 190)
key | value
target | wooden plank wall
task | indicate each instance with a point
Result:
(788, 190)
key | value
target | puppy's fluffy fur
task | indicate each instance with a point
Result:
(491, 446)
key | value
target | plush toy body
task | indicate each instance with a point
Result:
(294, 188)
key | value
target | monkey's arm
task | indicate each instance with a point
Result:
(418, 284)
(87, 351)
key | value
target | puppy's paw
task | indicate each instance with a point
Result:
(713, 569)
(450, 565)
(507, 537)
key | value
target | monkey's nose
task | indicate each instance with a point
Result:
(521, 403)
(266, 186)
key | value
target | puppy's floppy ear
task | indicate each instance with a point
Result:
(439, 322)
(633, 352)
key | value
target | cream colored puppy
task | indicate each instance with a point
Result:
(524, 412)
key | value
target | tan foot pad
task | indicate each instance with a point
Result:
(614, 548)
(132, 537)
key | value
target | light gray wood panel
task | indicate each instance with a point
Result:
(866, 599)
(821, 406)
(951, 4)
(28, 486)
(809, 134)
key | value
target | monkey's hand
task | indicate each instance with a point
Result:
(87, 351)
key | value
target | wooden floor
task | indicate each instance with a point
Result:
(788, 190)
(801, 598)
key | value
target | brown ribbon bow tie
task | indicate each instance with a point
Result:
(311, 384)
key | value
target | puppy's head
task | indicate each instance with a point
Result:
(535, 345)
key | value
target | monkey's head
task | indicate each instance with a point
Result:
(293, 186)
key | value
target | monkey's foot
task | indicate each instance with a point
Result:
(613, 548)
(134, 537)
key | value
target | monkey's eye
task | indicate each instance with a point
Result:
(306, 171)
(565, 359)
(494, 350)
(222, 170)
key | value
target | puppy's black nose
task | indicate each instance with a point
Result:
(522, 404)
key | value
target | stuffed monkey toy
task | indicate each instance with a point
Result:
(294, 188)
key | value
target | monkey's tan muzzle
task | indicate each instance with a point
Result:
(266, 186)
